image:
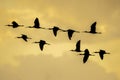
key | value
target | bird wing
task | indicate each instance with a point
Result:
(101, 55)
(85, 58)
(25, 39)
(41, 45)
(70, 33)
(36, 23)
(78, 46)
(55, 30)
(93, 28)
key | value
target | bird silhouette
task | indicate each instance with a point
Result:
(101, 53)
(77, 46)
(93, 29)
(24, 37)
(41, 44)
(14, 25)
(36, 24)
(55, 30)
(70, 33)
(86, 55)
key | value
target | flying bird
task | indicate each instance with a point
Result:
(86, 55)
(14, 25)
(41, 44)
(24, 37)
(101, 53)
(70, 32)
(93, 29)
(55, 30)
(36, 24)
(77, 46)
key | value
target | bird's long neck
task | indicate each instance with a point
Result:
(30, 27)
(86, 31)
(36, 42)
(19, 37)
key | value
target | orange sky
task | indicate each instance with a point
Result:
(24, 61)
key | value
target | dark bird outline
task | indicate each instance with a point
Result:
(70, 32)
(93, 29)
(14, 24)
(78, 47)
(24, 37)
(86, 55)
(101, 53)
(41, 44)
(55, 30)
(36, 24)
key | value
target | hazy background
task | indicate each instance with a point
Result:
(24, 61)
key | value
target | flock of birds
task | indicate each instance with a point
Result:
(70, 32)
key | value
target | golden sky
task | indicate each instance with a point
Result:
(21, 60)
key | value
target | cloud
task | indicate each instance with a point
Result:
(46, 67)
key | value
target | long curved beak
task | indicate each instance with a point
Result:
(35, 42)
(92, 55)
(77, 31)
(63, 30)
(47, 43)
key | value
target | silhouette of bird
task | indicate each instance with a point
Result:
(77, 46)
(55, 30)
(101, 53)
(14, 25)
(36, 24)
(24, 37)
(41, 44)
(70, 33)
(86, 55)
(93, 29)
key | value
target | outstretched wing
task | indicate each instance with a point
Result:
(78, 46)
(101, 55)
(85, 58)
(36, 23)
(25, 39)
(93, 28)
(41, 46)
(55, 30)
(70, 33)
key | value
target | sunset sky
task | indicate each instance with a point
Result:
(20, 60)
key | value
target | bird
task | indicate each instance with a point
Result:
(77, 46)
(55, 30)
(14, 24)
(101, 53)
(86, 55)
(41, 44)
(93, 29)
(24, 37)
(36, 24)
(70, 32)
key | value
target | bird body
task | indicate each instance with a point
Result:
(70, 33)
(77, 46)
(86, 55)
(15, 24)
(36, 24)
(41, 44)
(93, 29)
(24, 37)
(55, 30)
(101, 53)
